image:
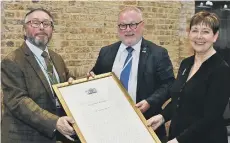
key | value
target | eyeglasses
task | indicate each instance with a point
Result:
(37, 23)
(131, 25)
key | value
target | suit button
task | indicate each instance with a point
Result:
(177, 106)
(178, 98)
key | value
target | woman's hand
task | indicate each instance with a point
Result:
(155, 121)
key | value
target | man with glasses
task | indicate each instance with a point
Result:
(32, 112)
(143, 68)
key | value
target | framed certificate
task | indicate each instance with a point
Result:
(103, 111)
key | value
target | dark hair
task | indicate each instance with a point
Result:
(207, 18)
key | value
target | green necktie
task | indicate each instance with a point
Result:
(49, 70)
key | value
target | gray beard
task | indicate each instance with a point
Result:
(38, 43)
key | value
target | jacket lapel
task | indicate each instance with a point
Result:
(112, 55)
(32, 61)
(142, 62)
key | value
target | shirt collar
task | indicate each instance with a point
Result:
(136, 47)
(35, 50)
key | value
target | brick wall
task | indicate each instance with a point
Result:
(83, 27)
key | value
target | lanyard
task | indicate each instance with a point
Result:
(51, 80)
(127, 63)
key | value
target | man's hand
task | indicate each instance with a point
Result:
(63, 126)
(70, 80)
(155, 121)
(143, 106)
(173, 141)
(90, 74)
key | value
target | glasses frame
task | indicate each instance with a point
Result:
(130, 25)
(40, 22)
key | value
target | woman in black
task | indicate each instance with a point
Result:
(201, 90)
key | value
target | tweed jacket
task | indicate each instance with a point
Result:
(29, 107)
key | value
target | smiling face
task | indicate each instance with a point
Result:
(204, 30)
(202, 37)
(39, 36)
(129, 36)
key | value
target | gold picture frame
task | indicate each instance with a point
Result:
(96, 103)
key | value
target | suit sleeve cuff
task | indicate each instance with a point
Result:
(152, 103)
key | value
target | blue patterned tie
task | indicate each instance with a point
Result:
(124, 78)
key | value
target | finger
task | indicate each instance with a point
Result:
(68, 129)
(92, 74)
(138, 105)
(152, 121)
(144, 103)
(68, 137)
(70, 80)
(70, 120)
(158, 124)
(87, 75)
(64, 130)
(149, 122)
(142, 108)
(154, 127)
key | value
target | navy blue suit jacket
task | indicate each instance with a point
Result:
(155, 74)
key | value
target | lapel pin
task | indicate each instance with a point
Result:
(184, 71)
(144, 50)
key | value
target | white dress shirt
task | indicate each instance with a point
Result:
(119, 63)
